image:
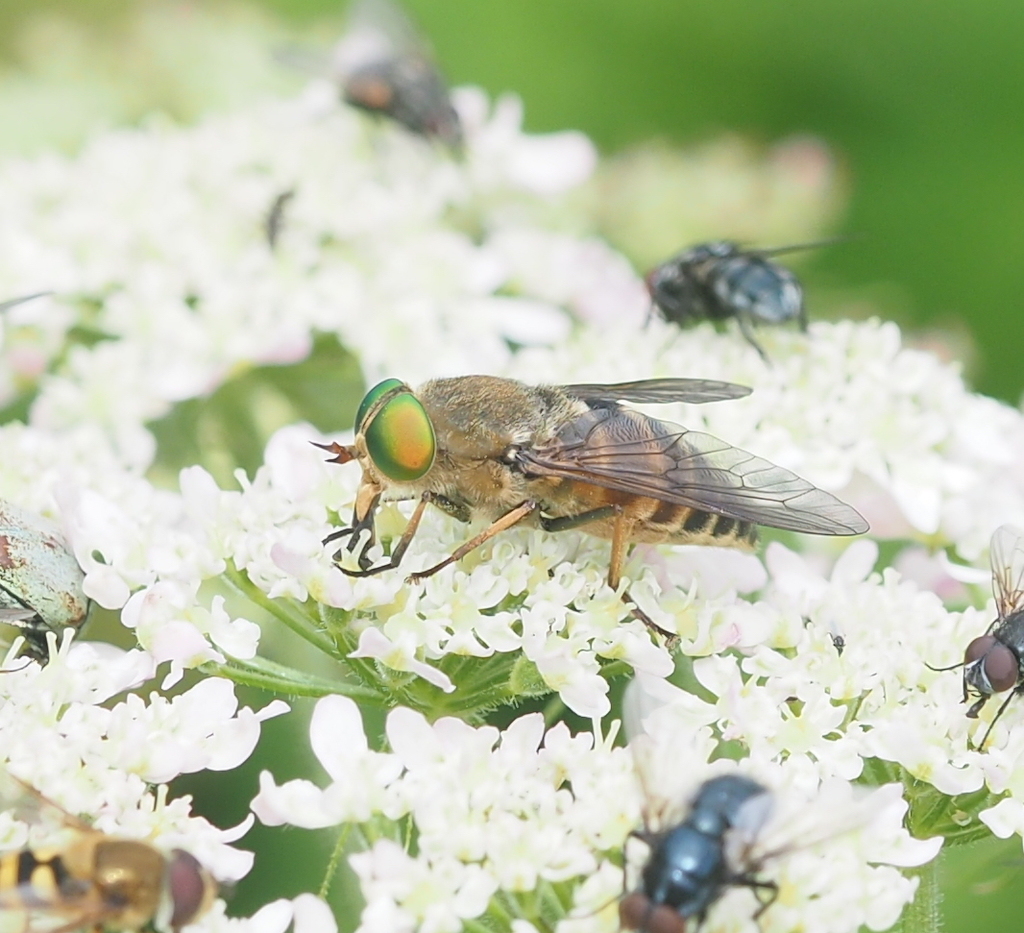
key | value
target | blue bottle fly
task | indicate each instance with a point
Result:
(720, 280)
(690, 865)
(994, 662)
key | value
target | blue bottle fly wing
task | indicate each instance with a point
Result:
(13, 302)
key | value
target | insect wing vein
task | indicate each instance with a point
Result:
(45, 820)
(629, 452)
(658, 391)
(1006, 554)
(743, 839)
(837, 810)
(16, 614)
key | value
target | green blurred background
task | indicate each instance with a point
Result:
(921, 102)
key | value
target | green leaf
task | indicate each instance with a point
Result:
(525, 679)
(286, 681)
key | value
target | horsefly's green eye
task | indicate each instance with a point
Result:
(400, 438)
(377, 392)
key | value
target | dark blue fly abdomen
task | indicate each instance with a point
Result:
(763, 289)
(720, 280)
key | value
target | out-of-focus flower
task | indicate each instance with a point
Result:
(303, 914)
(654, 201)
(409, 263)
(102, 759)
(491, 810)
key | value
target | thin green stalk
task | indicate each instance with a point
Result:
(851, 713)
(300, 624)
(332, 865)
(924, 914)
(505, 908)
(363, 838)
(550, 902)
(365, 669)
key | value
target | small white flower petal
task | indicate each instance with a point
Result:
(312, 915)
(336, 734)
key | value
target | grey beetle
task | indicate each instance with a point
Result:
(40, 579)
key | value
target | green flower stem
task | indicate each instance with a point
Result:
(923, 914)
(615, 669)
(332, 865)
(505, 907)
(298, 622)
(278, 678)
(852, 709)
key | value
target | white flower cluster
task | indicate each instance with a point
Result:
(378, 244)
(540, 594)
(60, 734)
(166, 287)
(185, 61)
(507, 817)
(421, 264)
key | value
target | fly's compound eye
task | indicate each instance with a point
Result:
(978, 648)
(191, 888)
(374, 396)
(399, 435)
(1001, 668)
(636, 912)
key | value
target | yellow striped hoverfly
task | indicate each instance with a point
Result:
(65, 875)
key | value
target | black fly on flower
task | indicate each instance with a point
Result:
(994, 662)
(700, 844)
(387, 69)
(720, 280)
(730, 831)
(66, 875)
(383, 66)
